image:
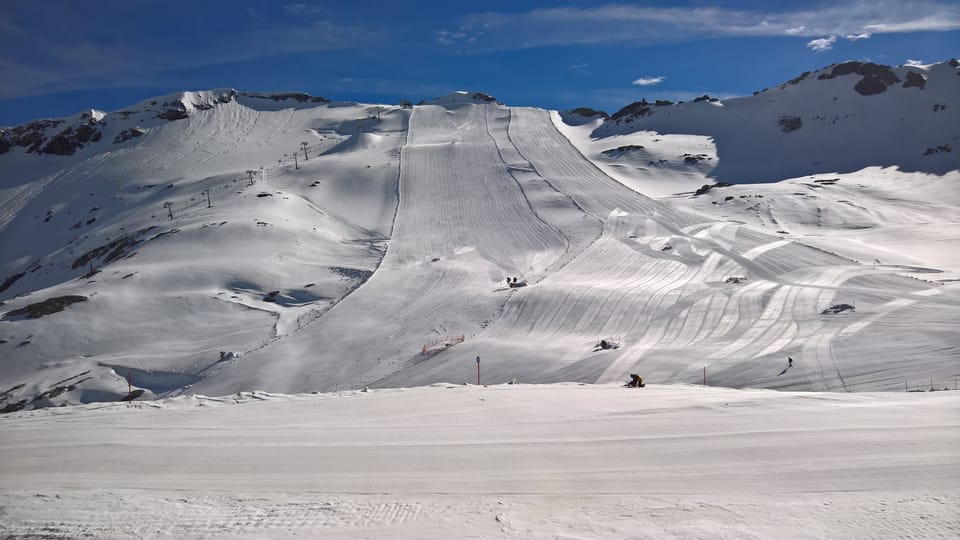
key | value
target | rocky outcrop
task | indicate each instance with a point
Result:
(175, 111)
(621, 150)
(68, 141)
(299, 97)
(876, 78)
(790, 123)
(707, 187)
(30, 135)
(128, 134)
(587, 111)
(943, 148)
(637, 109)
(914, 80)
(113, 250)
(48, 306)
(797, 79)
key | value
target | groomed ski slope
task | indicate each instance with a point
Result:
(524, 461)
(488, 192)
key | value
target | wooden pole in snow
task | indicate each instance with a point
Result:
(704, 375)
(478, 371)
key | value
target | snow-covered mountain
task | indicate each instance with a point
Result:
(221, 241)
(839, 119)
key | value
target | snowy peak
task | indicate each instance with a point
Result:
(838, 119)
(66, 136)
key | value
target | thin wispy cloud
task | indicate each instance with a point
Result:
(649, 81)
(305, 9)
(60, 63)
(613, 23)
(822, 44)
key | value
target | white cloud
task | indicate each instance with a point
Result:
(627, 23)
(649, 81)
(914, 63)
(822, 44)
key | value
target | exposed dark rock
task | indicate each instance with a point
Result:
(7, 283)
(693, 159)
(914, 79)
(480, 96)
(954, 63)
(47, 307)
(884, 73)
(112, 250)
(838, 308)
(707, 187)
(14, 407)
(298, 96)
(938, 107)
(876, 78)
(621, 150)
(662, 103)
(351, 273)
(870, 85)
(176, 111)
(30, 135)
(587, 111)
(797, 79)
(706, 98)
(271, 296)
(164, 233)
(938, 149)
(128, 134)
(636, 109)
(790, 123)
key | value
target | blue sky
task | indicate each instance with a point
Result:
(58, 57)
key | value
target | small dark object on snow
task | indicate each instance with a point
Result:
(604, 344)
(636, 381)
(789, 362)
(838, 308)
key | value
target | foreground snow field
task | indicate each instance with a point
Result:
(510, 461)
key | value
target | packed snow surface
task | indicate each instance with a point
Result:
(510, 461)
(222, 241)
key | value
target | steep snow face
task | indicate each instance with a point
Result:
(839, 119)
(224, 241)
